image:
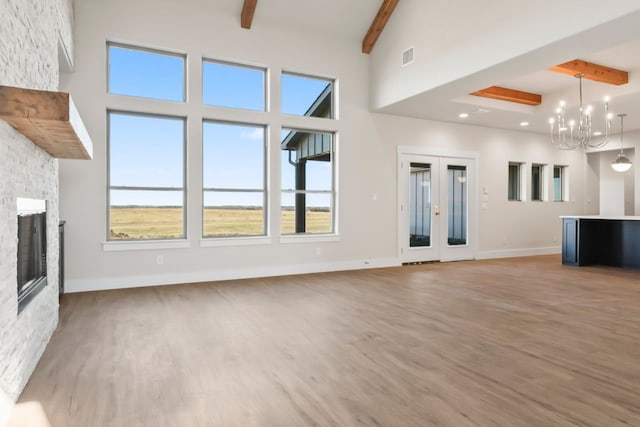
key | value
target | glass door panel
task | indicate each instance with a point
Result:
(420, 205)
(457, 205)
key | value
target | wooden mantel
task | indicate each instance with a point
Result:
(49, 119)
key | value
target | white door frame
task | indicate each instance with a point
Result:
(474, 186)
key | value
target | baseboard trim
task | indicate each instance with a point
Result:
(512, 253)
(102, 284)
(107, 283)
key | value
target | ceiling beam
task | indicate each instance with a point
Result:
(598, 73)
(246, 16)
(385, 11)
(511, 95)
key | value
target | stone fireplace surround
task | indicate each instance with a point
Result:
(27, 172)
(31, 34)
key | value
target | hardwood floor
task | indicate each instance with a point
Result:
(515, 342)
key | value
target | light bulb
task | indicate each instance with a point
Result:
(621, 163)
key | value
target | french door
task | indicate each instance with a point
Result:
(435, 208)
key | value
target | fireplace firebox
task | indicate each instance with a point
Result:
(32, 249)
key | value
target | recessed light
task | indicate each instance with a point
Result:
(524, 123)
(463, 115)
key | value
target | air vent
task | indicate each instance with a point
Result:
(407, 57)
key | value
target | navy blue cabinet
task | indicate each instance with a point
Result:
(592, 240)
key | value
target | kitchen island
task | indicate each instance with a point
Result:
(603, 240)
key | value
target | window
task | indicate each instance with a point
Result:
(515, 181)
(146, 73)
(307, 96)
(538, 182)
(147, 170)
(307, 182)
(560, 186)
(234, 86)
(233, 179)
(146, 176)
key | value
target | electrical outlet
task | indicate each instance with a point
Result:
(160, 260)
(318, 251)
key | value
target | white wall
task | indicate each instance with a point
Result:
(612, 188)
(592, 184)
(366, 157)
(198, 31)
(506, 228)
(455, 39)
(613, 193)
(29, 36)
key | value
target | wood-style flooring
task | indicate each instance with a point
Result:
(511, 342)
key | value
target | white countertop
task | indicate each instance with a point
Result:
(609, 217)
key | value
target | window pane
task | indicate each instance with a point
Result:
(233, 214)
(536, 186)
(307, 96)
(306, 157)
(457, 205)
(136, 72)
(558, 184)
(146, 151)
(146, 214)
(306, 166)
(233, 156)
(316, 216)
(234, 86)
(514, 182)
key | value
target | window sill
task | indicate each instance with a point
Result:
(310, 238)
(131, 245)
(234, 241)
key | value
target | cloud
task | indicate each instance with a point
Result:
(255, 134)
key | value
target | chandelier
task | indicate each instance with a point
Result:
(572, 134)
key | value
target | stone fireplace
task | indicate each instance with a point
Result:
(31, 34)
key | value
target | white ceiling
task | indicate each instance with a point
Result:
(551, 85)
(347, 18)
(351, 19)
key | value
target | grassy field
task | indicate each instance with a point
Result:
(158, 223)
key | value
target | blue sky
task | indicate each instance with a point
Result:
(147, 151)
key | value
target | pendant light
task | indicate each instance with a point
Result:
(622, 162)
